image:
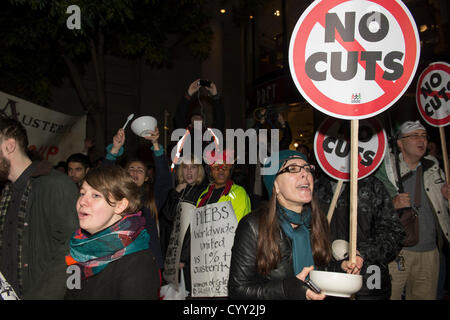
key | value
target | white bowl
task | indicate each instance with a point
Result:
(336, 284)
(340, 249)
(142, 125)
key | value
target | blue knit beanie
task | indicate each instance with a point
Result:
(280, 157)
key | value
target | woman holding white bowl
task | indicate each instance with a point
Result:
(276, 246)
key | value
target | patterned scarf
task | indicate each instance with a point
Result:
(92, 253)
(301, 248)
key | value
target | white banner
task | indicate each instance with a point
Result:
(212, 237)
(54, 135)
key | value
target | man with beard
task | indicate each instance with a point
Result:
(417, 266)
(37, 218)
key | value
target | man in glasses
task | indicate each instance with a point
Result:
(417, 266)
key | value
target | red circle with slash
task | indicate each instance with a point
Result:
(433, 94)
(355, 98)
(332, 147)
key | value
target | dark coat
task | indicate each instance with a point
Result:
(380, 234)
(246, 283)
(168, 215)
(132, 277)
(50, 220)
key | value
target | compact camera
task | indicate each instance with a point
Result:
(204, 83)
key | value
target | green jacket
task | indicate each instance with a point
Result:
(50, 220)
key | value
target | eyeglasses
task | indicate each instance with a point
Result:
(293, 168)
(221, 166)
(416, 136)
(137, 170)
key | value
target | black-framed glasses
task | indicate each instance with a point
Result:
(293, 168)
(416, 136)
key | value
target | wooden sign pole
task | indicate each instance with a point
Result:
(445, 156)
(334, 200)
(353, 189)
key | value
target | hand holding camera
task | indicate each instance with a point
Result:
(207, 84)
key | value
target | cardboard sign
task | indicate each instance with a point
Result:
(353, 59)
(173, 254)
(212, 237)
(332, 147)
(433, 94)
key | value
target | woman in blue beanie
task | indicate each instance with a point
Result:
(276, 246)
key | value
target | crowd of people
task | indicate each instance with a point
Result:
(123, 224)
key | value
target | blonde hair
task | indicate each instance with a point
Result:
(201, 172)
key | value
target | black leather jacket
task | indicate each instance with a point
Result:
(380, 234)
(244, 280)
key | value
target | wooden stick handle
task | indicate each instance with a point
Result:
(353, 189)
(445, 156)
(334, 200)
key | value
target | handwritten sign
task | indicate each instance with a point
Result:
(212, 236)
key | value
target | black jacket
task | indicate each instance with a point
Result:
(168, 215)
(380, 234)
(244, 280)
(132, 277)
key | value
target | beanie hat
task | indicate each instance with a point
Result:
(280, 158)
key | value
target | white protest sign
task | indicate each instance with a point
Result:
(332, 147)
(180, 226)
(212, 236)
(352, 59)
(54, 135)
(6, 290)
(432, 94)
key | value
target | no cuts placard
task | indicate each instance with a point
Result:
(433, 94)
(332, 147)
(354, 59)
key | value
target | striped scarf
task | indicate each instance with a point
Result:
(92, 253)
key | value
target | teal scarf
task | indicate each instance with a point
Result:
(92, 253)
(301, 248)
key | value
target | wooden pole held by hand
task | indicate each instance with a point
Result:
(337, 192)
(353, 189)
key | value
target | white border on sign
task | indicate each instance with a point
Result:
(432, 121)
(323, 108)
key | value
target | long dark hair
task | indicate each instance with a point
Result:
(268, 253)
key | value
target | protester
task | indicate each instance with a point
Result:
(264, 120)
(152, 202)
(380, 234)
(192, 108)
(191, 184)
(417, 267)
(77, 167)
(37, 217)
(222, 188)
(276, 246)
(111, 248)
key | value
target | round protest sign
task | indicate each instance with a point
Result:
(332, 147)
(432, 94)
(353, 59)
